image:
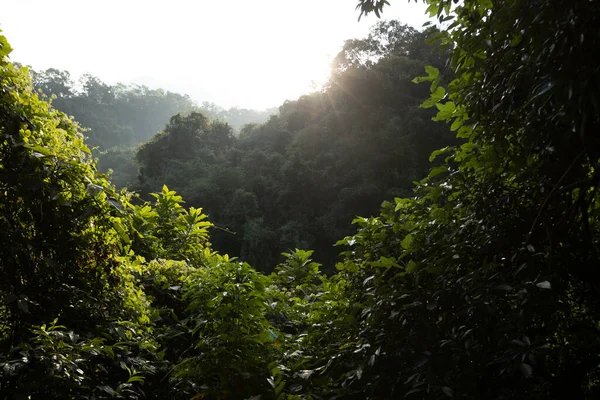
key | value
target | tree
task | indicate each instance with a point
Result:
(482, 285)
(114, 115)
(479, 284)
(53, 82)
(71, 323)
(325, 158)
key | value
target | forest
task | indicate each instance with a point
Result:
(425, 226)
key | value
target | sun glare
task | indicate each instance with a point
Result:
(270, 51)
(307, 75)
(294, 78)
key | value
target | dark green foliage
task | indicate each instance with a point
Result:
(486, 278)
(298, 179)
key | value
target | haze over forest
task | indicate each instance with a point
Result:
(247, 54)
(268, 210)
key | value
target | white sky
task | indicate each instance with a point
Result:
(247, 53)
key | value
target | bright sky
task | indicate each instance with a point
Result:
(247, 53)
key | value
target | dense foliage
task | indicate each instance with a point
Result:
(118, 117)
(115, 115)
(298, 180)
(479, 285)
(70, 309)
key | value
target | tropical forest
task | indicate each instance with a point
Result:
(424, 225)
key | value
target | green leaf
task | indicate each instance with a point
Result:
(448, 107)
(439, 152)
(411, 266)
(407, 242)
(430, 102)
(456, 124)
(279, 388)
(121, 231)
(39, 149)
(438, 170)
(432, 74)
(439, 94)
(135, 378)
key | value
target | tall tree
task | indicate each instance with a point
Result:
(484, 285)
(325, 158)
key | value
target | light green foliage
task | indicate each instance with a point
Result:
(167, 230)
(234, 340)
(296, 285)
(61, 260)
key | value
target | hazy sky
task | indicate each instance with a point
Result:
(248, 53)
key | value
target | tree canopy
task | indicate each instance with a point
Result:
(478, 283)
(298, 180)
